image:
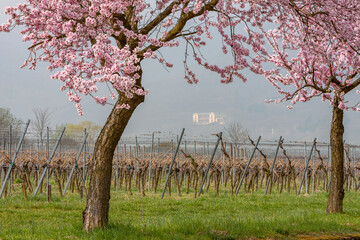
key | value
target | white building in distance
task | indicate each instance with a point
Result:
(208, 118)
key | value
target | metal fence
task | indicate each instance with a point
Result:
(150, 143)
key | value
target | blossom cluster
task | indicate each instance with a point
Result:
(316, 51)
(88, 43)
(104, 41)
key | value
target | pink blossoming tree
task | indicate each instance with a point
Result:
(103, 42)
(316, 48)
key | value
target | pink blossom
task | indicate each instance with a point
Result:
(89, 44)
(123, 106)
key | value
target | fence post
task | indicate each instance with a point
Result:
(177, 162)
(177, 140)
(247, 166)
(13, 160)
(47, 153)
(313, 174)
(84, 157)
(328, 159)
(10, 153)
(151, 156)
(306, 165)
(49, 193)
(10, 141)
(306, 179)
(194, 149)
(75, 163)
(210, 162)
(273, 164)
(49, 160)
(117, 168)
(158, 146)
(136, 147)
(354, 156)
(136, 152)
(172, 163)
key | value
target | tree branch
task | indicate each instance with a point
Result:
(352, 86)
(155, 22)
(179, 26)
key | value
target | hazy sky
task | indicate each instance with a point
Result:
(171, 102)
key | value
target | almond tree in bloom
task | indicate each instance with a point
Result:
(316, 48)
(103, 42)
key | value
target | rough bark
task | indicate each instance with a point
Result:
(336, 193)
(96, 212)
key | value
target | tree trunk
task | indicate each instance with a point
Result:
(336, 194)
(96, 212)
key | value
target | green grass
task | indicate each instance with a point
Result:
(276, 216)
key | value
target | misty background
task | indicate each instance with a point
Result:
(171, 102)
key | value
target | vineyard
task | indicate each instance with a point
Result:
(173, 166)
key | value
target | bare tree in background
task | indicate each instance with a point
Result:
(7, 119)
(41, 121)
(236, 134)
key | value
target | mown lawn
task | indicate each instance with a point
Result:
(284, 216)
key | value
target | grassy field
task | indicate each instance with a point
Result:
(247, 216)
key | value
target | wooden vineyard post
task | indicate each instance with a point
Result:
(10, 154)
(49, 160)
(172, 163)
(1, 176)
(13, 159)
(355, 173)
(84, 157)
(151, 156)
(158, 152)
(117, 169)
(47, 153)
(210, 162)
(2, 169)
(306, 166)
(158, 146)
(306, 179)
(273, 164)
(327, 168)
(136, 152)
(313, 175)
(177, 162)
(49, 193)
(75, 163)
(194, 149)
(357, 187)
(247, 166)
